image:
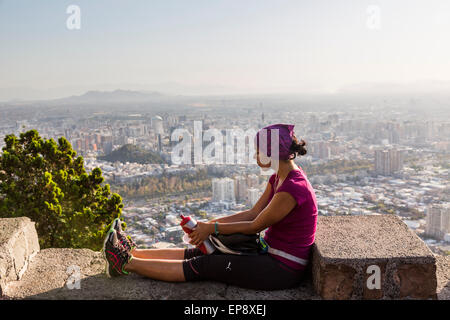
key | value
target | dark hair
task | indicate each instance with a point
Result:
(298, 147)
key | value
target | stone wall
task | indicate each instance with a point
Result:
(347, 251)
(18, 245)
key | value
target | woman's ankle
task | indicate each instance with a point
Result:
(128, 267)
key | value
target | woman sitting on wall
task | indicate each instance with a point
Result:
(288, 208)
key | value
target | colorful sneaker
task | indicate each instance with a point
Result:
(124, 239)
(115, 254)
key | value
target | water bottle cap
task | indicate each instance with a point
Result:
(184, 219)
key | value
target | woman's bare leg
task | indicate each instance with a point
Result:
(165, 270)
(170, 254)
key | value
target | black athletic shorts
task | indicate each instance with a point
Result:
(260, 272)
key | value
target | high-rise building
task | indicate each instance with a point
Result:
(438, 220)
(253, 196)
(157, 125)
(252, 180)
(241, 188)
(159, 143)
(388, 161)
(223, 190)
(321, 149)
(107, 144)
(172, 120)
(97, 138)
(229, 190)
(394, 136)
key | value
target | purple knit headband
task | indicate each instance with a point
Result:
(285, 134)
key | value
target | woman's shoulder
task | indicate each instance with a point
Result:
(297, 175)
(297, 185)
(296, 182)
(272, 178)
(294, 176)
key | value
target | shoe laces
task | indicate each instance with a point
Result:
(133, 244)
(122, 234)
(121, 251)
(121, 237)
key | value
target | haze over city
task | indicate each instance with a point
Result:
(223, 47)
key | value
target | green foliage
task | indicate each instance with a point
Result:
(202, 214)
(416, 167)
(132, 153)
(45, 181)
(166, 185)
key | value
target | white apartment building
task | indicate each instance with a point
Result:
(387, 161)
(252, 181)
(253, 196)
(241, 188)
(223, 190)
(157, 125)
(438, 220)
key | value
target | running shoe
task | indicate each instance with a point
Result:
(124, 239)
(115, 254)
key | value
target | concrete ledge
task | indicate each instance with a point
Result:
(52, 272)
(345, 247)
(18, 245)
(349, 250)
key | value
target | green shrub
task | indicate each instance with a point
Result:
(45, 181)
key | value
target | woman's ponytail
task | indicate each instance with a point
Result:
(298, 147)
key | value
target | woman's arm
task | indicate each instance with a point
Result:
(281, 204)
(251, 214)
(240, 216)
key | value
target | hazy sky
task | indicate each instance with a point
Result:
(251, 45)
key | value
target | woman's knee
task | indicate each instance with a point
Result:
(192, 252)
(172, 253)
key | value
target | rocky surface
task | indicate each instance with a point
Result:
(18, 245)
(367, 237)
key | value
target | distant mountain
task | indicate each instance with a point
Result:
(132, 153)
(116, 96)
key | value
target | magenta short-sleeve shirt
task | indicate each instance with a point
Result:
(295, 233)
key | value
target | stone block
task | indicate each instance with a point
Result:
(371, 257)
(18, 245)
(415, 280)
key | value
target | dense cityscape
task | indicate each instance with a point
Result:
(365, 156)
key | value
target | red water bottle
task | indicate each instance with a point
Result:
(189, 224)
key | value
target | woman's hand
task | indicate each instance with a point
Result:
(201, 233)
